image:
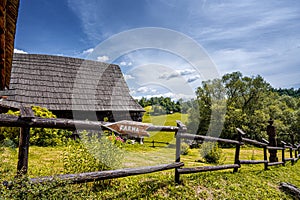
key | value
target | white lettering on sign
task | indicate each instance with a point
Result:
(129, 128)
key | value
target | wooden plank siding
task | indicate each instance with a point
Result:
(8, 20)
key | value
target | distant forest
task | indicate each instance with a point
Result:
(161, 105)
(290, 92)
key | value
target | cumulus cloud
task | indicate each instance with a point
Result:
(128, 77)
(124, 64)
(146, 90)
(20, 51)
(192, 79)
(88, 51)
(184, 72)
(176, 73)
(102, 58)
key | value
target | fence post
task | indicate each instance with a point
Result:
(271, 131)
(291, 153)
(283, 151)
(297, 146)
(237, 152)
(27, 115)
(296, 153)
(265, 154)
(182, 128)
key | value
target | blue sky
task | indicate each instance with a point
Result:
(254, 37)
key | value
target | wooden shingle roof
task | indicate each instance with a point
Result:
(64, 83)
(8, 20)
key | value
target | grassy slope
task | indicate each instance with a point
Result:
(163, 120)
(251, 182)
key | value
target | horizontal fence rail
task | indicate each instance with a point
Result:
(208, 138)
(206, 168)
(109, 174)
(15, 121)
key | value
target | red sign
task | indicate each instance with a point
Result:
(131, 128)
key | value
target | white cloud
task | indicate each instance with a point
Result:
(88, 51)
(146, 90)
(124, 64)
(102, 58)
(186, 71)
(194, 78)
(20, 51)
(128, 77)
(176, 73)
(238, 35)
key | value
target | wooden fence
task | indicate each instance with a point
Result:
(181, 134)
(27, 120)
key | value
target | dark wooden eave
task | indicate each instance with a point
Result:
(8, 20)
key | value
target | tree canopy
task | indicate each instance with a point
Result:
(247, 103)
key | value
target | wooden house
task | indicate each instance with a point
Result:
(8, 20)
(71, 88)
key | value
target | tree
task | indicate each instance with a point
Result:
(251, 102)
(210, 101)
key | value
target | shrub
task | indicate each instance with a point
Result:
(92, 153)
(38, 136)
(184, 149)
(10, 133)
(211, 152)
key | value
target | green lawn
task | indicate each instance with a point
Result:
(250, 182)
(163, 120)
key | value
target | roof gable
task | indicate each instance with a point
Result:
(64, 83)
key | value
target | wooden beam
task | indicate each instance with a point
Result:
(237, 152)
(254, 142)
(163, 128)
(15, 121)
(207, 168)
(274, 148)
(22, 166)
(208, 138)
(291, 189)
(275, 163)
(27, 115)
(253, 161)
(103, 175)
(181, 130)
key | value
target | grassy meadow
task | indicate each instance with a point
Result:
(250, 182)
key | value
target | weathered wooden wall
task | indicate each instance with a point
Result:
(8, 20)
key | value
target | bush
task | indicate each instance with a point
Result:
(38, 136)
(211, 152)
(184, 149)
(92, 153)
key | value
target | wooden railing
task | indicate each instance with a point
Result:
(27, 120)
(181, 134)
